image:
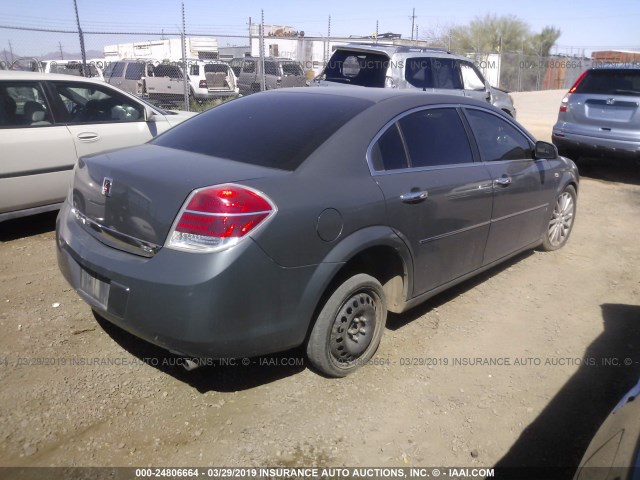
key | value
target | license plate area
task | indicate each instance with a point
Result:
(94, 287)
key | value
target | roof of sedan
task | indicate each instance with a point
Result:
(376, 95)
(36, 76)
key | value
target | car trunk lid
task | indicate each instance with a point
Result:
(611, 116)
(129, 199)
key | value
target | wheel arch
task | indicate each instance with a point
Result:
(376, 251)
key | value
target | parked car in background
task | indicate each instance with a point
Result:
(129, 74)
(48, 121)
(414, 68)
(72, 67)
(164, 84)
(211, 79)
(279, 73)
(600, 115)
(343, 204)
(236, 66)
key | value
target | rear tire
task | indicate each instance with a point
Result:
(561, 221)
(349, 327)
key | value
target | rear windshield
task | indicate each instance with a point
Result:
(609, 82)
(216, 68)
(271, 130)
(365, 69)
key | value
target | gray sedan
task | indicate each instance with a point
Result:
(302, 216)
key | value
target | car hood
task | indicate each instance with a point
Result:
(174, 117)
(134, 194)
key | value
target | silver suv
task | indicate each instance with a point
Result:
(405, 67)
(278, 73)
(600, 115)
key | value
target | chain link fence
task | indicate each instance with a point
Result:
(197, 71)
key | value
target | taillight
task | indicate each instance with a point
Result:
(564, 103)
(575, 85)
(203, 84)
(214, 218)
(565, 100)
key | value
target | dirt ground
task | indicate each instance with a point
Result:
(518, 366)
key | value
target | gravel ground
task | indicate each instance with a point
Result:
(79, 392)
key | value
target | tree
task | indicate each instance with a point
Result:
(544, 41)
(521, 64)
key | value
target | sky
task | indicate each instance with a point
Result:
(585, 25)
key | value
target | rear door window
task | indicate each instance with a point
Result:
(23, 105)
(435, 137)
(388, 153)
(432, 72)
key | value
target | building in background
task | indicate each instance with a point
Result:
(617, 56)
(203, 48)
(313, 52)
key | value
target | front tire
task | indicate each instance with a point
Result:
(561, 222)
(349, 327)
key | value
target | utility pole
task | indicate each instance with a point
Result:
(250, 37)
(61, 54)
(263, 79)
(184, 62)
(376, 31)
(413, 21)
(11, 51)
(82, 50)
(328, 51)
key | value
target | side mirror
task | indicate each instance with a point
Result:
(149, 114)
(545, 150)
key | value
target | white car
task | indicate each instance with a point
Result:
(210, 79)
(72, 67)
(49, 121)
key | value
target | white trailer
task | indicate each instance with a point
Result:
(204, 48)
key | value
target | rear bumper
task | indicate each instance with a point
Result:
(596, 146)
(213, 94)
(235, 303)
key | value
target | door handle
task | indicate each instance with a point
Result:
(88, 137)
(503, 181)
(414, 197)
